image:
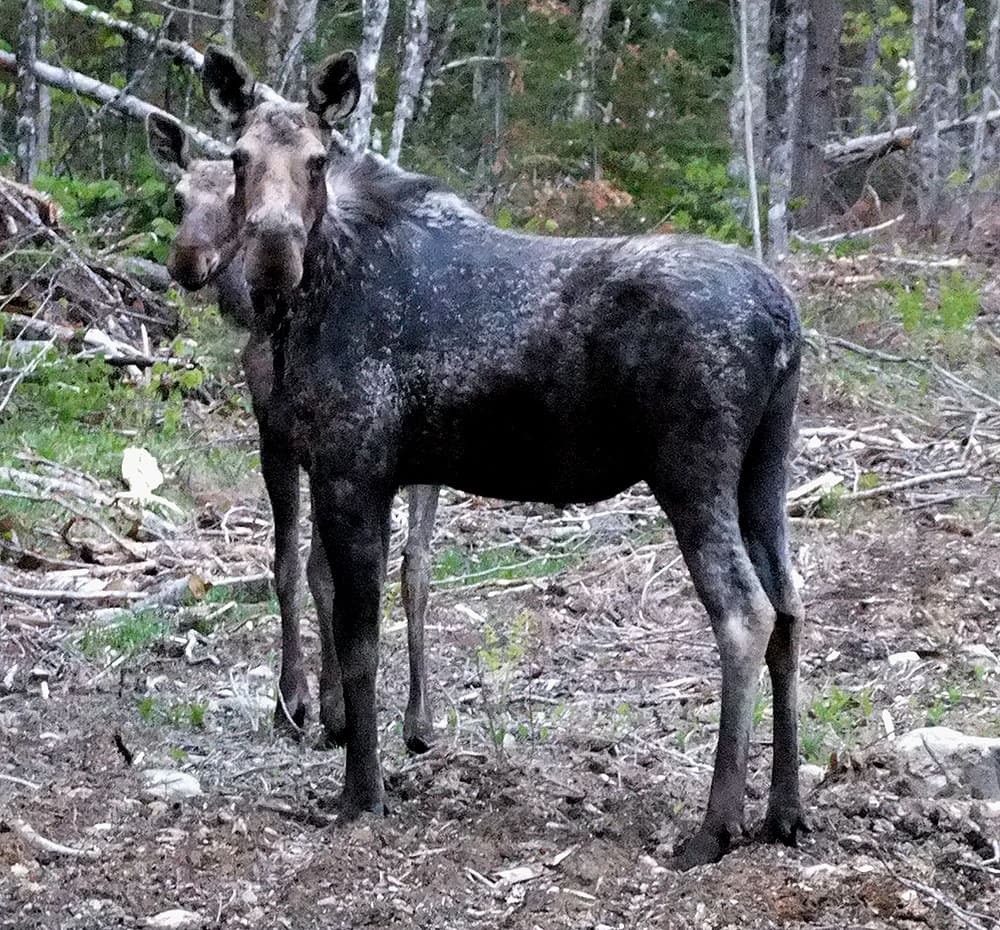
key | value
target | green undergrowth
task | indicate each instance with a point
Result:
(457, 566)
(135, 632)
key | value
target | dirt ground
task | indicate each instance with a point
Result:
(576, 712)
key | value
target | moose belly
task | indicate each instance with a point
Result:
(524, 448)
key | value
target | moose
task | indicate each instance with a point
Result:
(414, 343)
(206, 251)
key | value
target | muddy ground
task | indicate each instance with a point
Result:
(576, 701)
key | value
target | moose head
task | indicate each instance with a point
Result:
(280, 160)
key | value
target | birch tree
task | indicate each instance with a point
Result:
(412, 75)
(28, 98)
(227, 22)
(750, 84)
(292, 72)
(593, 22)
(373, 17)
(789, 128)
(275, 43)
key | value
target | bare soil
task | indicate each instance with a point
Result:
(576, 720)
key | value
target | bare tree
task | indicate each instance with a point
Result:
(826, 19)
(28, 98)
(439, 45)
(227, 17)
(939, 47)
(303, 19)
(412, 75)
(748, 10)
(374, 14)
(789, 125)
(275, 44)
(750, 85)
(593, 22)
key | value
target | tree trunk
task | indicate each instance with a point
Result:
(275, 44)
(412, 75)
(292, 75)
(227, 17)
(751, 85)
(925, 20)
(797, 29)
(817, 114)
(439, 47)
(28, 104)
(985, 146)
(593, 22)
(373, 16)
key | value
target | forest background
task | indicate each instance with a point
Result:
(555, 116)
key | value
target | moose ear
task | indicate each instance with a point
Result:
(228, 83)
(334, 87)
(168, 144)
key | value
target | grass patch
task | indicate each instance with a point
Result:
(128, 636)
(455, 566)
(832, 722)
(186, 714)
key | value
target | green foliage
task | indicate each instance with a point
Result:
(456, 566)
(128, 636)
(832, 721)
(958, 303)
(155, 711)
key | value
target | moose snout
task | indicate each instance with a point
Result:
(192, 265)
(275, 248)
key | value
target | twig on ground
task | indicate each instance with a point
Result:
(34, 839)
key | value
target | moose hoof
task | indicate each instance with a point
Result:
(352, 807)
(785, 826)
(292, 711)
(418, 733)
(705, 847)
(334, 722)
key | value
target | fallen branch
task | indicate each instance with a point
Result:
(864, 148)
(181, 51)
(929, 478)
(133, 107)
(65, 597)
(33, 838)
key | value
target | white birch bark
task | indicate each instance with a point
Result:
(86, 86)
(750, 83)
(292, 75)
(227, 17)
(412, 75)
(593, 22)
(373, 16)
(440, 46)
(28, 34)
(275, 43)
(925, 19)
(789, 125)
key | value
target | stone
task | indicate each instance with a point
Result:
(942, 762)
(176, 919)
(170, 785)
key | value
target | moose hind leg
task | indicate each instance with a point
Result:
(765, 529)
(418, 727)
(742, 618)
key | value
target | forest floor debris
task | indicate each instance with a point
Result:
(574, 680)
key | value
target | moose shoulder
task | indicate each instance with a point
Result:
(416, 343)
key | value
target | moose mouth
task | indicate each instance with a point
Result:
(193, 268)
(274, 262)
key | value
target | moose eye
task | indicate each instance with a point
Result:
(240, 159)
(316, 164)
(179, 202)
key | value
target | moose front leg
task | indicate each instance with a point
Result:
(281, 478)
(353, 524)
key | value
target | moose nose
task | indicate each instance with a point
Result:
(276, 227)
(192, 266)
